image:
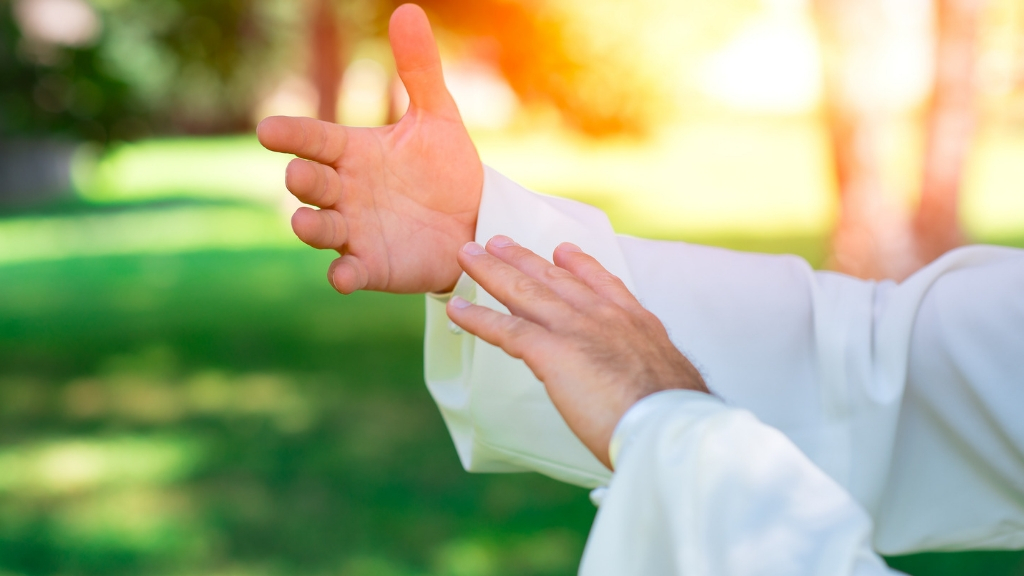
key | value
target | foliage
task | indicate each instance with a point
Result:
(192, 66)
(547, 59)
(155, 66)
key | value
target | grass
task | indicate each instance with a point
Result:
(181, 392)
(224, 412)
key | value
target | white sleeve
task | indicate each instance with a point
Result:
(957, 475)
(498, 414)
(908, 395)
(700, 488)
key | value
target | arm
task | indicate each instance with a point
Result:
(907, 395)
(824, 358)
(821, 357)
(698, 488)
(957, 475)
(701, 488)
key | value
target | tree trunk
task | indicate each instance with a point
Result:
(326, 62)
(872, 238)
(950, 127)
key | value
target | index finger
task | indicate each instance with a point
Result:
(307, 138)
(593, 274)
(522, 295)
(559, 280)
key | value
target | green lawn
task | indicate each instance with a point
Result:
(227, 413)
(224, 412)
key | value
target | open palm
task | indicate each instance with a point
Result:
(397, 202)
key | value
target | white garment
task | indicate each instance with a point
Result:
(909, 397)
(701, 488)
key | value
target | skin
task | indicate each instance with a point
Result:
(397, 202)
(399, 205)
(580, 330)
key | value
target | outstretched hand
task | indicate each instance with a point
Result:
(396, 201)
(580, 330)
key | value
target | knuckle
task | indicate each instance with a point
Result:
(338, 228)
(319, 143)
(610, 314)
(514, 336)
(293, 176)
(516, 327)
(528, 288)
(607, 280)
(321, 188)
(317, 185)
(324, 233)
(648, 317)
(556, 274)
(517, 256)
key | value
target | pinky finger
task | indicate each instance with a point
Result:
(519, 337)
(347, 274)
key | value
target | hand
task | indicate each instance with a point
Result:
(396, 201)
(580, 330)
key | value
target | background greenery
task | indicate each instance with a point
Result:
(225, 412)
(181, 392)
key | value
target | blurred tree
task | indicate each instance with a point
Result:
(193, 66)
(329, 48)
(950, 127)
(158, 66)
(528, 41)
(875, 238)
(871, 239)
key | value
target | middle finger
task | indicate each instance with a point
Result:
(561, 281)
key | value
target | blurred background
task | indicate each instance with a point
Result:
(181, 392)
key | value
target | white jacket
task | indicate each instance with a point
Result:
(899, 406)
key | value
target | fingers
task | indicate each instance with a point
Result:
(523, 295)
(320, 228)
(589, 270)
(418, 61)
(313, 183)
(348, 274)
(559, 280)
(518, 337)
(305, 137)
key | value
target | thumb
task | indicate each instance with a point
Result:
(418, 61)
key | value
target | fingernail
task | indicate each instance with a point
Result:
(569, 247)
(500, 241)
(330, 276)
(460, 302)
(474, 249)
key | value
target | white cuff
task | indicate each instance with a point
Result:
(645, 408)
